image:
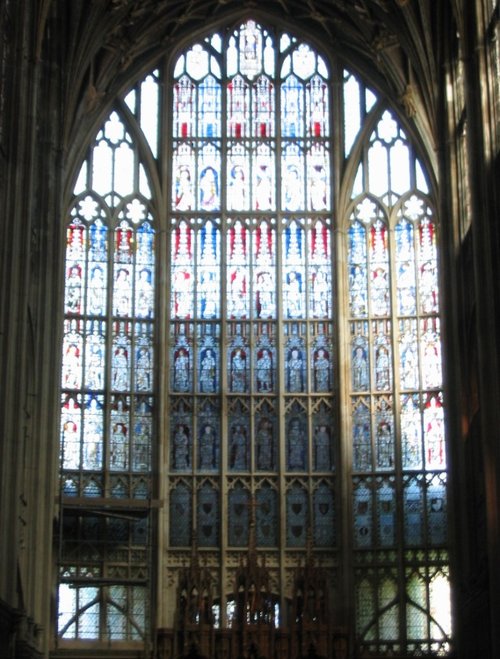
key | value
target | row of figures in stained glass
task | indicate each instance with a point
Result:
(419, 357)
(201, 448)
(264, 298)
(87, 271)
(250, 108)
(85, 442)
(84, 356)
(240, 361)
(298, 517)
(424, 520)
(251, 183)
(422, 433)
(415, 273)
(249, 55)
(251, 275)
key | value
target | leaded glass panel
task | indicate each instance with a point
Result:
(297, 515)
(267, 516)
(395, 372)
(217, 289)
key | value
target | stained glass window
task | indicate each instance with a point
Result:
(252, 346)
(396, 398)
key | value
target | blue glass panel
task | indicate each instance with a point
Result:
(413, 510)
(321, 366)
(93, 433)
(316, 105)
(292, 107)
(250, 49)
(292, 168)
(263, 107)
(319, 271)
(379, 269)
(362, 508)
(294, 271)
(181, 437)
(264, 367)
(123, 270)
(411, 432)
(265, 438)
(184, 107)
(95, 349)
(382, 355)
(408, 354)
(361, 435)
(358, 282)
(360, 366)
(238, 274)
(318, 178)
(238, 192)
(405, 255)
(144, 293)
(324, 516)
(208, 437)
(238, 102)
(143, 434)
(238, 517)
(264, 285)
(384, 433)
(181, 356)
(119, 433)
(98, 242)
(427, 260)
(295, 373)
(143, 366)
(267, 527)
(322, 439)
(296, 439)
(121, 357)
(208, 275)
(208, 516)
(433, 418)
(209, 107)
(75, 272)
(239, 432)
(238, 362)
(183, 194)
(72, 355)
(208, 368)
(436, 509)
(180, 516)
(209, 181)
(385, 507)
(296, 516)
(71, 431)
(264, 182)
(430, 342)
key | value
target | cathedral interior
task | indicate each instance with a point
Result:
(249, 329)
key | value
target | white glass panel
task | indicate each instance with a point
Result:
(400, 167)
(421, 178)
(377, 169)
(149, 112)
(144, 188)
(131, 100)
(197, 62)
(352, 121)
(81, 182)
(102, 169)
(124, 170)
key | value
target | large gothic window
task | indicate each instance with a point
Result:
(252, 338)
